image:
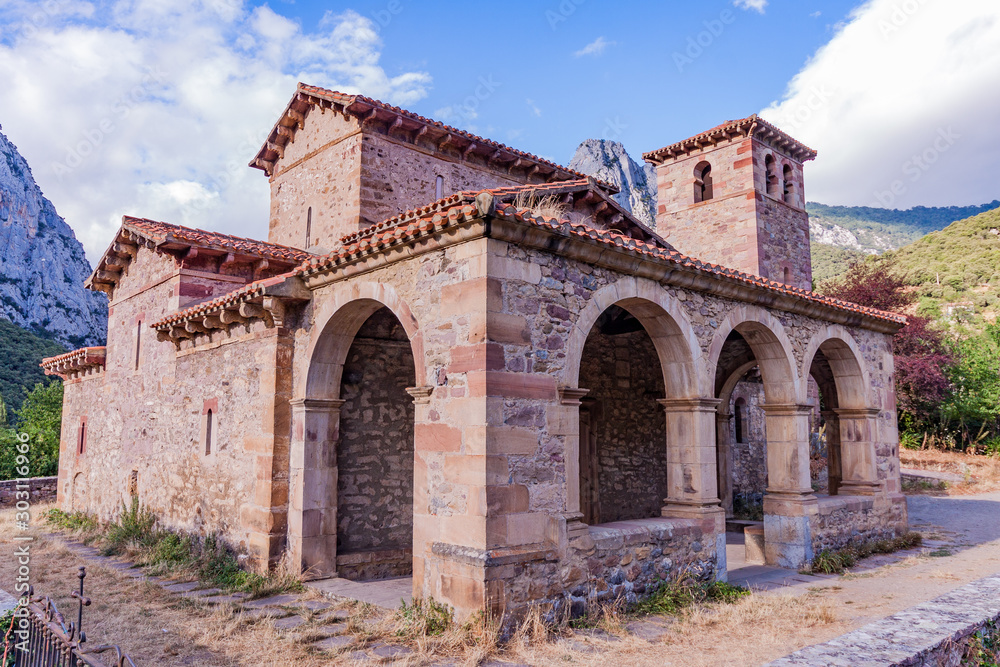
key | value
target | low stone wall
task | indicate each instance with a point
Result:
(846, 519)
(43, 489)
(938, 633)
(628, 559)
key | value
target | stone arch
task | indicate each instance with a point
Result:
(662, 318)
(337, 322)
(772, 350)
(842, 352)
(316, 462)
(834, 359)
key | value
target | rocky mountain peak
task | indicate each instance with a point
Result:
(610, 162)
(42, 264)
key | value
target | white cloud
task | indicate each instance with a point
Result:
(154, 107)
(534, 107)
(756, 5)
(595, 48)
(901, 105)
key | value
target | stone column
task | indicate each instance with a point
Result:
(692, 477)
(833, 461)
(312, 516)
(858, 429)
(724, 442)
(421, 538)
(569, 401)
(789, 502)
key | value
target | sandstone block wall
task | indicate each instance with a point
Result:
(320, 170)
(742, 226)
(146, 426)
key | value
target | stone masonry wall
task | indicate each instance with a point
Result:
(40, 489)
(147, 424)
(844, 520)
(625, 379)
(741, 227)
(750, 455)
(398, 176)
(375, 453)
(721, 230)
(321, 170)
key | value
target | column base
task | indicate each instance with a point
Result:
(788, 528)
(852, 488)
(575, 527)
(698, 512)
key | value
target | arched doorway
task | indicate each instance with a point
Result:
(623, 450)
(352, 455)
(375, 453)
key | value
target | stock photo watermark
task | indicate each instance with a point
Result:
(22, 541)
(899, 16)
(93, 138)
(697, 44)
(917, 165)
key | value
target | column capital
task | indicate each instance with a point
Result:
(689, 404)
(572, 395)
(420, 395)
(857, 413)
(316, 404)
(787, 409)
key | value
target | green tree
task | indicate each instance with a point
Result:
(38, 425)
(973, 406)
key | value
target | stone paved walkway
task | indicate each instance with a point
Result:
(907, 638)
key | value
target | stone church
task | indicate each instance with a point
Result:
(457, 361)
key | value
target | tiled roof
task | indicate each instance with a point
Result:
(454, 210)
(360, 105)
(507, 193)
(744, 126)
(166, 233)
(241, 295)
(75, 361)
(465, 207)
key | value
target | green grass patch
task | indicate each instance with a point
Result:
(135, 535)
(836, 561)
(672, 597)
(424, 617)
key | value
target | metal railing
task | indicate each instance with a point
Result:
(49, 641)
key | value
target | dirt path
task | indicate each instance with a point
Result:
(964, 534)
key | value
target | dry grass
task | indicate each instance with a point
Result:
(160, 628)
(549, 206)
(981, 474)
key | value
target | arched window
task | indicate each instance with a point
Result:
(789, 192)
(739, 414)
(209, 431)
(702, 182)
(309, 226)
(770, 175)
(787, 276)
(439, 187)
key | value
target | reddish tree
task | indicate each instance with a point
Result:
(920, 355)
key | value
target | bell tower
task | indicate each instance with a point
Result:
(734, 196)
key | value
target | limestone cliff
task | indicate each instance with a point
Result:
(608, 161)
(42, 265)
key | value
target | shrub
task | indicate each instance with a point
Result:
(671, 597)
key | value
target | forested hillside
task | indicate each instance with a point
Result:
(959, 263)
(21, 351)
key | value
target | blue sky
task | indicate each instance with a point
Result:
(154, 107)
(634, 89)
